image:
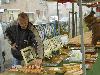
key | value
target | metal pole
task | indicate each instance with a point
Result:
(82, 38)
(76, 22)
(69, 24)
(58, 18)
(73, 24)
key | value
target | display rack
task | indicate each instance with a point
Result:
(90, 55)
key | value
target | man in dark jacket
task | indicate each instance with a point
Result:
(20, 36)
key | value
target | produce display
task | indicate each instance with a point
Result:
(27, 69)
(54, 69)
(54, 44)
(74, 73)
(98, 44)
(90, 57)
(75, 56)
(72, 68)
(67, 69)
(87, 39)
(32, 68)
(36, 68)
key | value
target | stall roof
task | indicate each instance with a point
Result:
(85, 1)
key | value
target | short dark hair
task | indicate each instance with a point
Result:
(23, 15)
(92, 12)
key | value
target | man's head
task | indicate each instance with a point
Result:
(92, 12)
(23, 20)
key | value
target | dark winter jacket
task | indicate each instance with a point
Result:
(22, 37)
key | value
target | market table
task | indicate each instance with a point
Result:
(59, 68)
(17, 73)
(21, 73)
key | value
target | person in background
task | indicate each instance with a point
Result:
(22, 35)
(2, 59)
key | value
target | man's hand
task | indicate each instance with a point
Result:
(14, 46)
(37, 63)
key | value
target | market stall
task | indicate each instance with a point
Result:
(61, 55)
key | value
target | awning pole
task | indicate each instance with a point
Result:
(76, 23)
(73, 22)
(82, 37)
(58, 18)
(69, 24)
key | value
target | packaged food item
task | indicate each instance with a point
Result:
(28, 69)
(87, 39)
(71, 68)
